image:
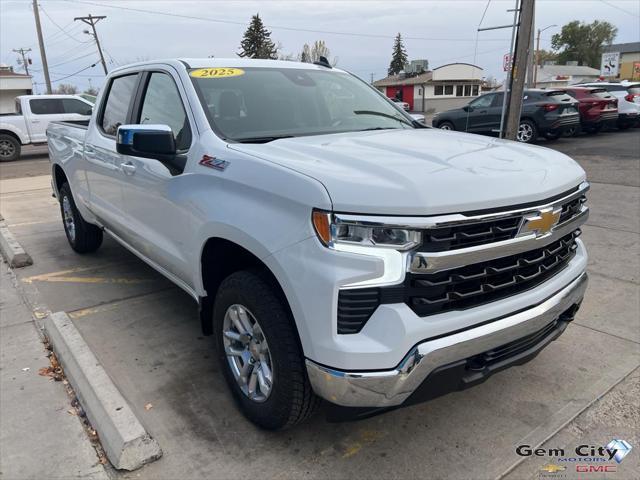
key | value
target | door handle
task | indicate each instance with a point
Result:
(128, 168)
(35, 121)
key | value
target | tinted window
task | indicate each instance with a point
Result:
(483, 101)
(46, 106)
(498, 100)
(71, 105)
(162, 106)
(117, 103)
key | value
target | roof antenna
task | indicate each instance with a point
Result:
(323, 62)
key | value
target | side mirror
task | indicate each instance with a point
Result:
(147, 141)
(468, 108)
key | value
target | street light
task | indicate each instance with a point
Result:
(535, 70)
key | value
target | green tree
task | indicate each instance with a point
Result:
(256, 42)
(398, 58)
(546, 56)
(583, 42)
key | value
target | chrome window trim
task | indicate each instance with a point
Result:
(436, 221)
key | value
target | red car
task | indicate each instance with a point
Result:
(597, 107)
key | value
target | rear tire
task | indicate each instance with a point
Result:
(281, 395)
(527, 132)
(446, 126)
(9, 148)
(83, 237)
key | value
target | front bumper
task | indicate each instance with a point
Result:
(429, 359)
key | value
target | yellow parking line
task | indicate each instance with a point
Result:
(68, 277)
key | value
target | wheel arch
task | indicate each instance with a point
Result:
(59, 177)
(11, 134)
(220, 258)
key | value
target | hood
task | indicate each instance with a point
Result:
(424, 171)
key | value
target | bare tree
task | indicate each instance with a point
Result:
(67, 89)
(311, 54)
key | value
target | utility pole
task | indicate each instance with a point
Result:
(519, 71)
(89, 20)
(531, 56)
(535, 75)
(25, 60)
(43, 55)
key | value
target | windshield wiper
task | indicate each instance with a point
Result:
(262, 139)
(377, 128)
(382, 114)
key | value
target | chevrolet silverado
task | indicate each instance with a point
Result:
(337, 248)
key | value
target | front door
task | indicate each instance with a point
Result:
(478, 113)
(157, 219)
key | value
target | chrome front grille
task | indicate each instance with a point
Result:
(474, 285)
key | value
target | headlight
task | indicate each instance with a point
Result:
(332, 232)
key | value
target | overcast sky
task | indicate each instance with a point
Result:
(359, 33)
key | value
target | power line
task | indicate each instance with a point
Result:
(281, 27)
(92, 20)
(485, 12)
(620, 8)
(75, 73)
(59, 27)
(74, 59)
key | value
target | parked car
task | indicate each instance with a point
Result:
(337, 249)
(546, 113)
(403, 105)
(33, 113)
(597, 107)
(628, 95)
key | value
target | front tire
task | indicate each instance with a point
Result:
(9, 148)
(527, 132)
(259, 352)
(83, 237)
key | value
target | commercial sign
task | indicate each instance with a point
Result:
(507, 62)
(610, 64)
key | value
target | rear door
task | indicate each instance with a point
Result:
(156, 216)
(478, 115)
(41, 112)
(102, 163)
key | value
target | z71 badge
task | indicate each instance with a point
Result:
(213, 162)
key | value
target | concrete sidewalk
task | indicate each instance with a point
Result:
(39, 438)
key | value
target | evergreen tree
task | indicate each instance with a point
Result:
(256, 42)
(398, 58)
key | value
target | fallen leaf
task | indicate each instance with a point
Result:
(148, 406)
(72, 412)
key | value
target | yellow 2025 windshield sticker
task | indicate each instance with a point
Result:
(216, 72)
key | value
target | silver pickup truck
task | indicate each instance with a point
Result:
(337, 248)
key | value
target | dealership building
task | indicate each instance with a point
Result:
(448, 86)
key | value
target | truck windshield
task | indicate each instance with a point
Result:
(257, 105)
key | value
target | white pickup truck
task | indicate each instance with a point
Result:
(337, 248)
(29, 124)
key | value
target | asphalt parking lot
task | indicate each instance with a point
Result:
(582, 389)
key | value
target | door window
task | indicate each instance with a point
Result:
(162, 105)
(483, 101)
(46, 106)
(117, 103)
(72, 105)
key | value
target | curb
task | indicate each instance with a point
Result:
(11, 250)
(125, 441)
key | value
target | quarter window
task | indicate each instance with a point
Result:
(162, 105)
(117, 103)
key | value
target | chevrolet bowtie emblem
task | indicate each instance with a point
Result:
(540, 223)
(553, 468)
